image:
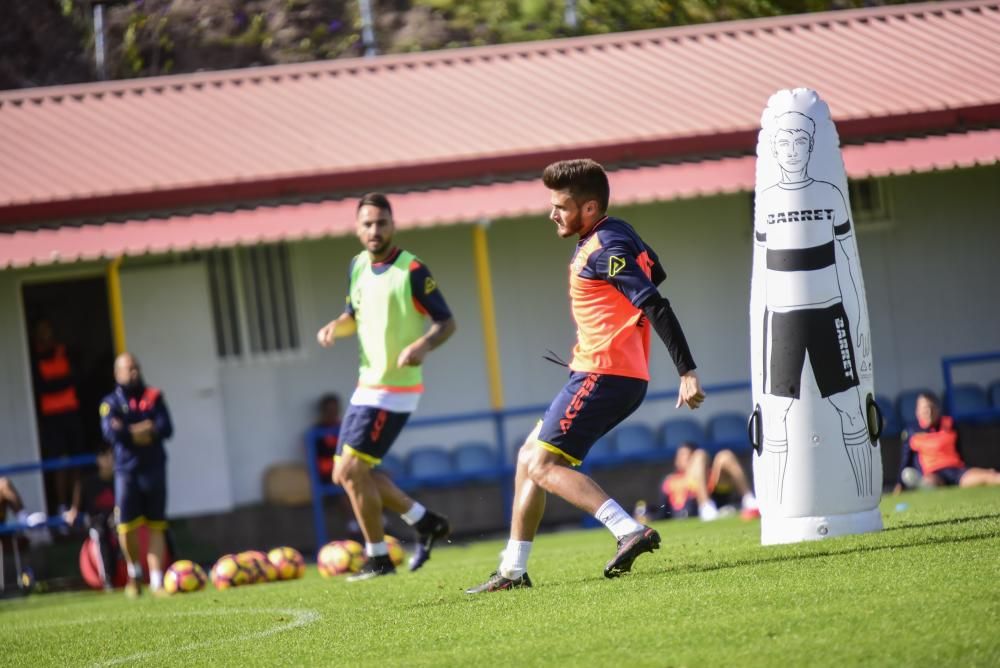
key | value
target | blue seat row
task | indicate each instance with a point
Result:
(970, 403)
(435, 465)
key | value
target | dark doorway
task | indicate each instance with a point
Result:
(79, 321)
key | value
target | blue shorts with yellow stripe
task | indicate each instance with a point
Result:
(141, 499)
(588, 407)
(368, 432)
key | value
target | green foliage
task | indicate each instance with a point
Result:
(922, 593)
(146, 46)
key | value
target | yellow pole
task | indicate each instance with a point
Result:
(488, 314)
(115, 305)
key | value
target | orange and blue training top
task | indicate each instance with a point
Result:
(613, 278)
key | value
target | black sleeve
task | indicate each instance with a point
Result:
(427, 294)
(658, 312)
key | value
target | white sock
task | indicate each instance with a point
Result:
(376, 549)
(614, 517)
(414, 514)
(134, 571)
(155, 580)
(515, 559)
(708, 511)
(749, 501)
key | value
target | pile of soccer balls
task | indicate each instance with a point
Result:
(341, 557)
(282, 563)
(254, 567)
(235, 570)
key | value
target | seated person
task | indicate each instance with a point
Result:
(700, 484)
(94, 506)
(935, 446)
(325, 434)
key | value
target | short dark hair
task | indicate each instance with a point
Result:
(326, 399)
(377, 200)
(929, 396)
(584, 179)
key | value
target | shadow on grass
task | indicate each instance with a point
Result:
(937, 523)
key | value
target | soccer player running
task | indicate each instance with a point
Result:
(391, 294)
(613, 281)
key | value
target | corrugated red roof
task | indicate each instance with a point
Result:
(452, 205)
(89, 150)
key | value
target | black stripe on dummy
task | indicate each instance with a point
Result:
(802, 259)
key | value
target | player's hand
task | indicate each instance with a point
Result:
(325, 336)
(413, 354)
(690, 391)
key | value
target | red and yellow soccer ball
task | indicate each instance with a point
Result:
(184, 576)
(266, 572)
(229, 572)
(288, 561)
(340, 557)
(396, 551)
(253, 565)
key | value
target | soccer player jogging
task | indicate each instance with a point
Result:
(614, 299)
(391, 294)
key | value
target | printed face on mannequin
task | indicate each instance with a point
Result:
(375, 230)
(792, 149)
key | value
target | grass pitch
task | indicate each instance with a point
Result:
(925, 592)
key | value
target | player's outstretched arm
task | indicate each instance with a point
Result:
(437, 333)
(345, 325)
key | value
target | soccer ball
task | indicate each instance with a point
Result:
(267, 571)
(229, 572)
(339, 557)
(288, 561)
(250, 562)
(396, 551)
(184, 576)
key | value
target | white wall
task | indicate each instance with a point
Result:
(18, 434)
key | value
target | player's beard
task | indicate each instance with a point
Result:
(379, 247)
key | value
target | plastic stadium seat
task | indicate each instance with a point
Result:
(603, 449)
(635, 439)
(474, 458)
(969, 398)
(428, 463)
(394, 466)
(906, 406)
(728, 431)
(994, 393)
(891, 426)
(681, 430)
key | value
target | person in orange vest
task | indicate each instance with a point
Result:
(935, 446)
(60, 427)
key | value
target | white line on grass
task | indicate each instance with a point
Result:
(299, 618)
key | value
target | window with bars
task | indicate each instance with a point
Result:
(253, 301)
(869, 201)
